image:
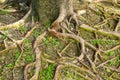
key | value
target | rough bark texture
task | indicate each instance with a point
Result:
(48, 10)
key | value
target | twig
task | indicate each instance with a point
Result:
(105, 62)
(112, 49)
(113, 69)
(60, 53)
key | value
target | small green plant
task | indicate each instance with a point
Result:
(3, 37)
(48, 73)
(50, 41)
(23, 28)
(118, 60)
(2, 11)
(10, 65)
(27, 42)
(17, 55)
(112, 62)
(30, 58)
(111, 53)
(36, 34)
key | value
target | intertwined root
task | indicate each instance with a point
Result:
(63, 21)
(67, 17)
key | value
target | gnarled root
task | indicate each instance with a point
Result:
(38, 54)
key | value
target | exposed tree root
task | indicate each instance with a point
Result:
(17, 24)
(117, 26)
(16, 43)
(106, 62)
(90, 29)
(59, 67)
(26, 70)
(38, 55)
(112, 49)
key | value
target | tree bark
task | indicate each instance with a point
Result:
(49, 10)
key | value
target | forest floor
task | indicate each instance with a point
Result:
(26, 48)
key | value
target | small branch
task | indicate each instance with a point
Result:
(112, 49)
(60, 53)
(113, 69)
(105, 62)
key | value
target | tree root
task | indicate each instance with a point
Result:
(90, 29)
(118, 26)
(59, 67)
(106, 62)
(58, 24)
(16, 43)
(17, 24)
(38, 55)
(112, 49)
(26, 70)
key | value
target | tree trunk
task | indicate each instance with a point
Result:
(49, 10)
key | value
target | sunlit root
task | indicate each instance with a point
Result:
(38, 54)
(17, 24)
(90, 29)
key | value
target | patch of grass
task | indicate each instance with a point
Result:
(17, 55)
(29, 55)
(118, 60)
(36, 34)
(51, 42)
(3, 37)
(30, 58)
(4, 11)
(48, 73)
(27, 42)
(23, 29)
(111, 53)
(10, 65)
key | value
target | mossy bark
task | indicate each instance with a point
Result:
(47, 10)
